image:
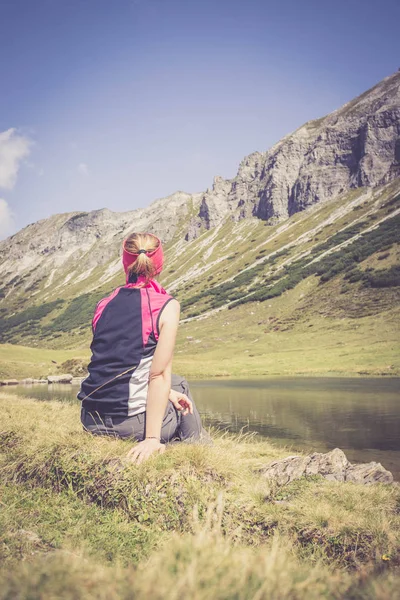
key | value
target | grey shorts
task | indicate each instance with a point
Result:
(174, 425)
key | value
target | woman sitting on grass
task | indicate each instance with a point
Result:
(130, 391)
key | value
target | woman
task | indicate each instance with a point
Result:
(130, 391)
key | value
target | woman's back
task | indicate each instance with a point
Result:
(125, 335)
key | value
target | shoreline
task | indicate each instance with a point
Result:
(208, 377)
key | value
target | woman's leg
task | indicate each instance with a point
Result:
(121, 427)
(189, 426)
(129, 427)
(174, 425)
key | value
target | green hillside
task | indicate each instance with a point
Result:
(316, 294)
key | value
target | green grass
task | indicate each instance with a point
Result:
(306, 331)
(309, 330)
(21, 361)
(77, 521)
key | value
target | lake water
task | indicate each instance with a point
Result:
(361, 416)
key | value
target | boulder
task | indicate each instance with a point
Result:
(331, 465)
(28, 381)
(59, 379)
(286, 470)
(9, 382)
(372, 472)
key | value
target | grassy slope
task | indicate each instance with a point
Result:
(332, 329)
(199, 521)
(22, 361)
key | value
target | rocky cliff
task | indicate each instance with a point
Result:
(357, 145)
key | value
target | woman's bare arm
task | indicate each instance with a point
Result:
(159, 384)
(161, 369)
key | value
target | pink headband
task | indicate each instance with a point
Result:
(156, 257)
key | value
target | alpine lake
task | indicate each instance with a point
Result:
(309, 414)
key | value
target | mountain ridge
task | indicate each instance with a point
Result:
(241, 241)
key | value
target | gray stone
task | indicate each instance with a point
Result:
(286, 470)
(9, 382)
(372, 472)
(331, 465)
(27, 381)
(59, 378)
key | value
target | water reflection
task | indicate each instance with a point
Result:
(361, 416)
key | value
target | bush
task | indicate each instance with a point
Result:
(343, 260)
(384, 278)
(27, 317)
(79, 312)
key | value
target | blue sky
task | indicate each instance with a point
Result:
(115, 104)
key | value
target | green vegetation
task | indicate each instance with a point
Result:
(237, 291)
(17, 361)
(225, 292)
(27, 319)
(339, 261)
(77, 521)
(78, 313)
(280, 304)
(382, 278)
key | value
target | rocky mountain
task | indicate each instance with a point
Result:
(355, 146)
(321, 204)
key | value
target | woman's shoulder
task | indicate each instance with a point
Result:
(170, 312)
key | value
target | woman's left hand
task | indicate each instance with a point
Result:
(143, 450)
(181, 402)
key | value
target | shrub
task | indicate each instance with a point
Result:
(79, 312)
(27, 317)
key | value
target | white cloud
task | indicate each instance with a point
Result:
(6, 219)
(83, 169)
(14, 147)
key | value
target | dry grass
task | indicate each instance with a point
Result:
(197, 522)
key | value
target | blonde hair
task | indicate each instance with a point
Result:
(143, 265)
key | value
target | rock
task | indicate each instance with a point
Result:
(372, 472)
(59, 378)
(331, 465)
(76, 366)
(27, 381)
(9, 382)
(286, 470)
(77, 380)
